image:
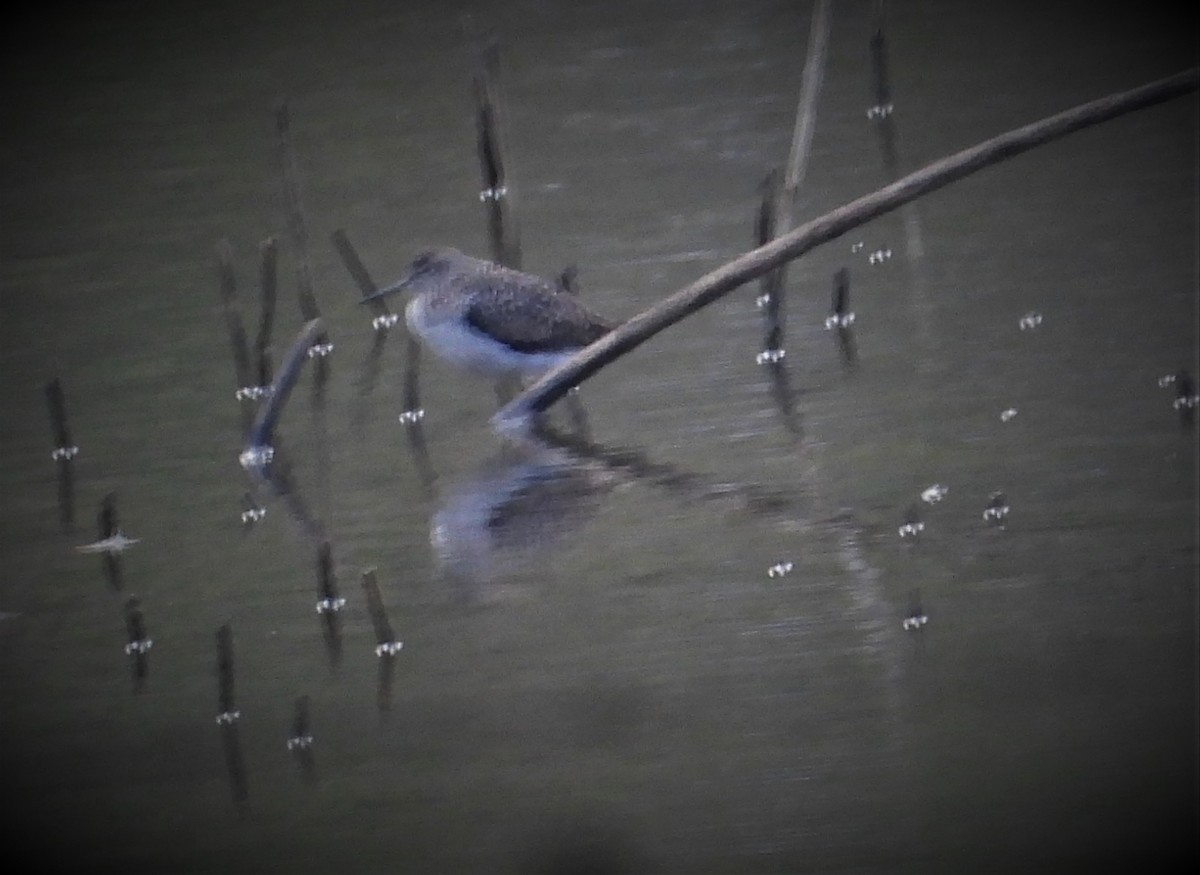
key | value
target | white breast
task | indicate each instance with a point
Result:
(450, 337)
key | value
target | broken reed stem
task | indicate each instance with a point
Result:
(806, 113)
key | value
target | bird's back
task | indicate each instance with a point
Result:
(527, 314)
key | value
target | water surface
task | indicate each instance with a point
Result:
(621, 680)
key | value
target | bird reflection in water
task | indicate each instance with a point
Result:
(506, 517)
(525, 503)
(519, 505)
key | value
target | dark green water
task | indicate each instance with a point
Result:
(633, 690)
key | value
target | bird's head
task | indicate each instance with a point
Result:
(430, 267)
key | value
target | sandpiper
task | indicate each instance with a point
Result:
(490, 319)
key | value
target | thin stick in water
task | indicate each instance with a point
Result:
(108, 528)
(298, 229)
(841, 317)
(1186, 399)
(268, 284)
(228, 715)
(386, 643)
(329, 604)
(226, 699)
(321, 347)
(138, 643)
(383, 319)
(883, 113)
(300, 742)
(63, 454)
(770, 296)
(497, 193)
(248, 392)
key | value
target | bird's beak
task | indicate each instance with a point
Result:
(388, 290)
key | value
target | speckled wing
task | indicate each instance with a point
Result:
(528, 315)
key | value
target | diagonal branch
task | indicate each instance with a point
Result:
(515, 417)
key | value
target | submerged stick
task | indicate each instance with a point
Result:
(385, 637)
(247, 390)
(138, 644)
(515, 417)
(383, 319)
(412, 412)
(770, 300)
(228, 716)
(386, 643)
(329, 604)
(107, 528)
(779, 200)
(226, 703)
(359, 273)
(778, 205)
(321, 347)
(63, 454)
(252, 511)
(917, 618)
(841, 317)
(268, 283)
(770, 297)
(497, 194)
(233, 317)
(1186, 399)
(111, 541)
(883, 113)
(298, 228)
(300, 742)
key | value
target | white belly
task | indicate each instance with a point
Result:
(453, 340)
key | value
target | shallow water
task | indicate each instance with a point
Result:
(607, 670)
